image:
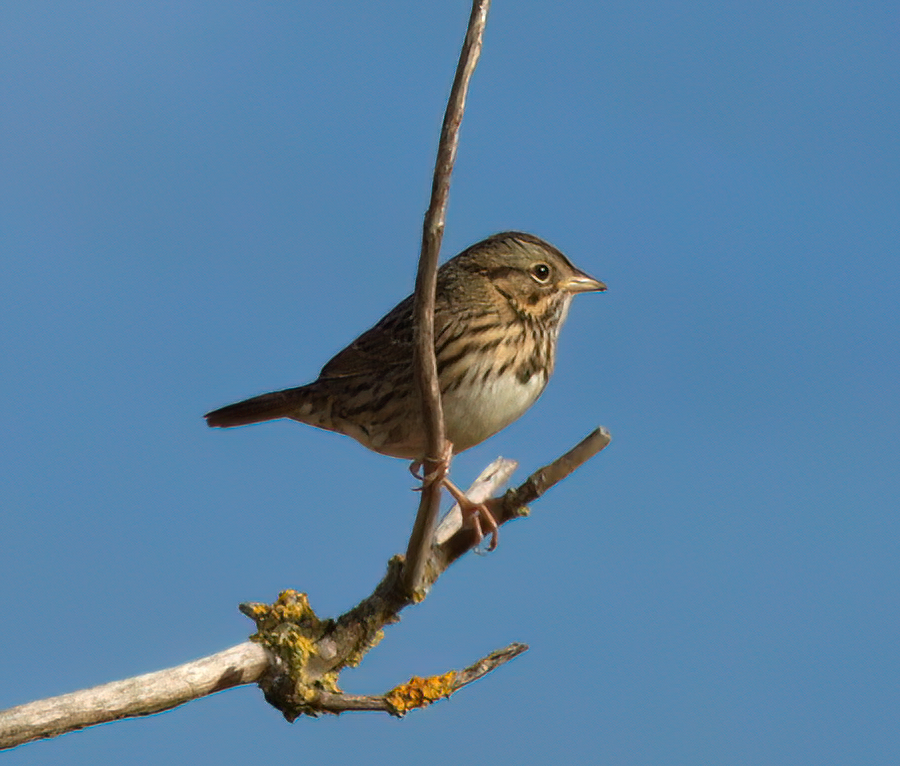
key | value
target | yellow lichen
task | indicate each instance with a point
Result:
(291, 608)
(291, 629)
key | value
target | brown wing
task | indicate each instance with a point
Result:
(390, 342)
(386, 345)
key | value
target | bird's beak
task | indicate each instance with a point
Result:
(580, 282)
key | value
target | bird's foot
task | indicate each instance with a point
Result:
(441, 469)
(478, 513)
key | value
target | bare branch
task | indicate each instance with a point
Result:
(424, 362)
(141, 695)
(548, 476)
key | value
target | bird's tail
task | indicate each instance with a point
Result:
(291, 402)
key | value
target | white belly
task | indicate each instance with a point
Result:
(473, 414)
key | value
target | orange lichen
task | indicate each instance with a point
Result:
(420, 692)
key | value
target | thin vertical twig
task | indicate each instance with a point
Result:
(424, 362)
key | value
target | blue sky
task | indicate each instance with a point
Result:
(203, 201)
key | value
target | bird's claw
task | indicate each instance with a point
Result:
(442, 467)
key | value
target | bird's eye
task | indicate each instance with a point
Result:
(541, 272)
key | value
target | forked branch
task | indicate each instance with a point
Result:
(301, 656)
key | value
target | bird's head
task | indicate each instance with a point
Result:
(535, 278)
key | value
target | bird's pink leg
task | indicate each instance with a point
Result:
(476, 512)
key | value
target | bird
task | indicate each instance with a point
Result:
(499, 307)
